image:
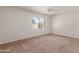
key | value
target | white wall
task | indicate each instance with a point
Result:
(66, 24)
(16, 24)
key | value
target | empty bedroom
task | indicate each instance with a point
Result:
(39, 29)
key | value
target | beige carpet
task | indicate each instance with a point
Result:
(43, 44)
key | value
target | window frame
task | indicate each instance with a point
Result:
(38, 22)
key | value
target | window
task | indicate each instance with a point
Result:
(38, 22)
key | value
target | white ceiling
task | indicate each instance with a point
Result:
(55, 9)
